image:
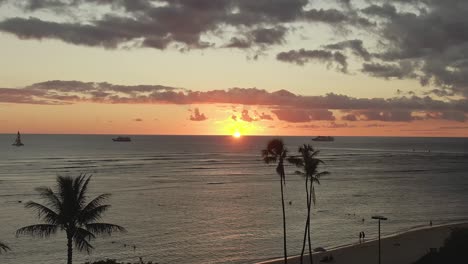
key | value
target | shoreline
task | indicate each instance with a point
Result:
(402, 247)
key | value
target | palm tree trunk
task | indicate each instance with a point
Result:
(307, 221)
(70, 248)
(284, 220)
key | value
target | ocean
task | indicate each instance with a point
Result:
(211, 199)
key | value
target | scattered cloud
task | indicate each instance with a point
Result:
(300, 116)
(286, 106)
(264, 116)
(197, 115)
(160, 24)
(246, 117)
(425, 40)
(138, 120)
(302, 56)
(355, 45)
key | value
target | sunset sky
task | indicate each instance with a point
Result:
(259, 67)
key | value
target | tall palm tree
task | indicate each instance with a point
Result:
(277, 152)
(308, 162)
(3, 247)
(67, 209)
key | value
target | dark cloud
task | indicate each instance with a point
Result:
(269, 36)
(308, 126)
(425, 40)
(385, 11)
(138, 120)
(332, 16)
(261, 36)
(300, 116)
(286, 105)
(349, 117)
(432, 36)
(246, 117)
(388, 116)
(161, 23)
(355, 45)
(448, 115)
(197, 116)
(303, 56)
(399, 71)
(264, 116)
(80, 34)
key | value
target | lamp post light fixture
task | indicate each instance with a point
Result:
(379, 217)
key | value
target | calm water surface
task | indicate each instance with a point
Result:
(210, 199)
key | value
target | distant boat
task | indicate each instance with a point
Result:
(323, 138)
(18, 142)
(122, 139)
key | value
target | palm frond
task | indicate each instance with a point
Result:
(44, 213)
(269, 159)
(50, 197)
(82, 237)
(295, 160)
(83, 188)
(314, 153)
(93, 214)
(104, 228)
(41, 230)
(320, 174)
(275, 147)
(67, 195)
(280, 170)
(300, 173)
(64, 186)
(316, 180)
(4, 247)
(316, 177)
(96, 202)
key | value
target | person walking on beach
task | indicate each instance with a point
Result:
(360, 237)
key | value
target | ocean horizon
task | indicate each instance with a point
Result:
(211, 199)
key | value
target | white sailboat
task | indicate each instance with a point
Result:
(18, 142)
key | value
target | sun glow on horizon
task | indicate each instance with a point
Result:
(236, 134)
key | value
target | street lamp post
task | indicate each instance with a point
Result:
(379, 217)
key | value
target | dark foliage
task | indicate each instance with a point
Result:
(454, 251)
(68, 209)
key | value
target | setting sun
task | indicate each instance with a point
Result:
(237, 134)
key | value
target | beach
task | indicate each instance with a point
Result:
(402, 248)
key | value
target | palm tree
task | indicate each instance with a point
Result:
(277, 152)
(67, 209)
(3, 247)
(309, 163)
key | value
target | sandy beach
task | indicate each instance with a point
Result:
(401, 248)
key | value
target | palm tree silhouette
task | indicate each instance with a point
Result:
(277, 152)
(308, 162)
(69, 211)
(3, 247)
